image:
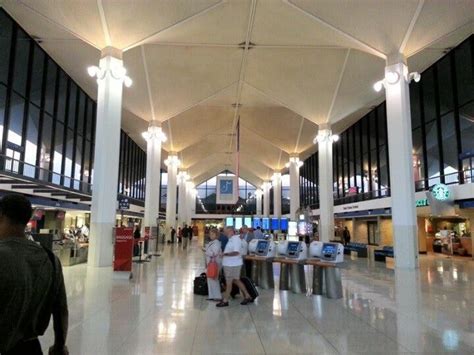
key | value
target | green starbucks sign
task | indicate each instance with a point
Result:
(441, 192)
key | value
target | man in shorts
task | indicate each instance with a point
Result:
(232, 263)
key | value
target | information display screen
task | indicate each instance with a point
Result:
(284, 224)
(275, 224)
(248, 221)
(292, 228)
(265, 223)
(293, 248)
(302, 228)
(257, 222)
(229, 221)
(238, 222)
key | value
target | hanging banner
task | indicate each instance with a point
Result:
(227, 190)
(123, 249)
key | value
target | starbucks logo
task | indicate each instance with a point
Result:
(441, 192)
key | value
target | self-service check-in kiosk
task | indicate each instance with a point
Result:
(329, 255)
(262, 264)
(292, 255)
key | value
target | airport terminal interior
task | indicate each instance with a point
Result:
(336, 138)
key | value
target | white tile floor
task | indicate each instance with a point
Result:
(430, 311)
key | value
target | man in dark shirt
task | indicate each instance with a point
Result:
(31, 286)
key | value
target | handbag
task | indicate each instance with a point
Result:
(212, 269)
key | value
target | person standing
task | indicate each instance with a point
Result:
(257, 234)
(31, 285)
(213, 251)
(180, 235)
(232, 264)
(185, 236)
(173, 234)
(346, 235)
(223, 239)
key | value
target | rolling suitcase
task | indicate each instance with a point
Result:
(200, 285)
(250, 286)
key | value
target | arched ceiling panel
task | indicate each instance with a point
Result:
(184, 76)
(304, 80)
(382, 24)
(148, 17)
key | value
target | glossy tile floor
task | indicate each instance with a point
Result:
(430, 311)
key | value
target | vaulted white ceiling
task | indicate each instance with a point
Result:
(281, 66)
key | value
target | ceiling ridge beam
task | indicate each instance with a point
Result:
(348, 36)
(243, 66)
(299, 135)
(468, 23)
(174, 25)
(64, 28)
(148, 84)
(339, 81)
(278, 101)
(189, 107)
(190, 44)
(262, 137)
(411, 26)
(103, 21)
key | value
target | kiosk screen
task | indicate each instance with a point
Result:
(262, 247)
(248, 221)
(257, 222)
(329, 250)
(265, 223)
(238, 223)
(292, 248)
(229, 221)
(275, 224)
(284, 224)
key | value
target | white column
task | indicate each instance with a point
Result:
(266, 198)
(154, 137)
(276, 180)
(191, 201)
(111, 75)
(172, 162)
(294, 166)
(182, 198)
(258, 201)
(325, 139)
(401, 171)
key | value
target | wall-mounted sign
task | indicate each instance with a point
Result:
(423, 202)
(124, 204)
(227, 193)
(441, 192)
(350, 207)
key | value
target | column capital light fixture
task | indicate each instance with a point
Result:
(294, 160)
(325, 135)
(276, 177)
(266, 185)
(392, 77)
(258, 192)
(117, 71)
(154, 132)
(183, 175)
(172, 160)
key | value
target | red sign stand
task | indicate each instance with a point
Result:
(123, 249)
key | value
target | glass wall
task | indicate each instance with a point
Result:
(47, 122)
(442, 111)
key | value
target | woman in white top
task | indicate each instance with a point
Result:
(213, 250)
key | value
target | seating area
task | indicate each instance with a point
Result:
(382, 254)
(360, 248)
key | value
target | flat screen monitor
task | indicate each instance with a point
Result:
(262, 246)
(257, 222)
(284, 224)
(248, 221)
(265, 223)
(302, 228)
(229, 221)
(275, 224)
(329, 250)
(292, 228)
(292, 248)
(238, 223)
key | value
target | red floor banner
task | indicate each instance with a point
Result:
(123, 249)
